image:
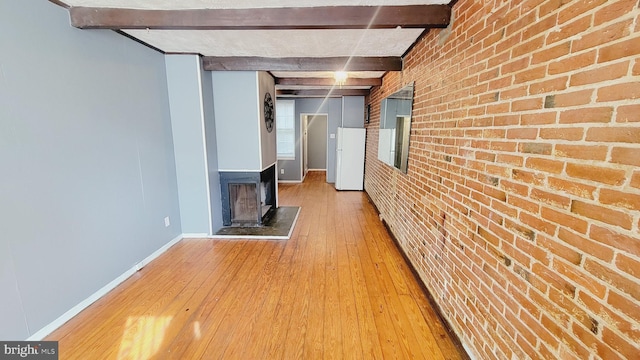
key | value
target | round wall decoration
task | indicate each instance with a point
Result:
(268, 112)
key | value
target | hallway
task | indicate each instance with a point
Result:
(337, 289)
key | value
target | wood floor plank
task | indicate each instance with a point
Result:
(338, 289)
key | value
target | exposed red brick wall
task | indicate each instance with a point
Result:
(521, 207)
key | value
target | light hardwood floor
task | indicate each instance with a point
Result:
(338, 289)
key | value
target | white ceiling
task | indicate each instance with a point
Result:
(272, 43)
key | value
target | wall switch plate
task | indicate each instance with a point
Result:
(332, 136)
(167, 222)
(281, 171)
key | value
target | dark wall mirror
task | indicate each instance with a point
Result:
(395, 128)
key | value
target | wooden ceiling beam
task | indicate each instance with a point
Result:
(323, 17)
(215, 63)
(322, 92)
(329, 81)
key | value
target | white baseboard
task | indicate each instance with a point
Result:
(48, 329)
(195, 236)
(289, 181)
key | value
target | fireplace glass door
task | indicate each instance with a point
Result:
(244, 203)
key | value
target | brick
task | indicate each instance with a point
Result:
(540, 118)
(636, 68)
(614, 134)
(628, 113)
(571, 134)
(527, 104)
(551, 6)
(572, 63)
(586, 115)
(527, 46)
(593, 248)
(627, 156)
(503, 146)
(601, 213)
(602, 36)
(585, 152)
(596, 173)
(601, 74)
(556, 200)
(625, 91)
(619, 50)
(572, 187)
(609, 276)
(520, 230)
(625, 305)
(528, 177)
(546, 165)
(553, 279)
(535, 148)
(614, 320)
(530, 75)
(537, 223)
(505, 120)
(569, 29)
(522, 133)
(613, 11)
(578, 8)
(575, 98)
(565, 220)
(489, 237)
(515, 93)
(629, 265)
(591, 341)
(514, 66)
(622, 346)
(559, 250)
(541, 331)
(551, 53)
(510, 159)
(580, 277)
(521, 22)
(615, 239)
(635, 180)
(548, 86)
(620, 199)
(515, 188)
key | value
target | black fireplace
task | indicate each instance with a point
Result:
(248, 198)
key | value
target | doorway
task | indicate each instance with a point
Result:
(314, 142)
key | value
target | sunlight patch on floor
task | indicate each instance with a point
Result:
(143, 336)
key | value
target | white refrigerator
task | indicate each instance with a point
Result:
(350, 159)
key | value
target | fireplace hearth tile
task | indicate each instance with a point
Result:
(279, 227)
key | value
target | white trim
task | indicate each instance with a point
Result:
(48, 329)
(289, 181)
(317, 169)
(195, 235)
(254, 170)
(204, 143)
(239, 170)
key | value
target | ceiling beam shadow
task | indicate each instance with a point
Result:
(214, 63)
(323, 17)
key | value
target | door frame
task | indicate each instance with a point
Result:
(304, 156)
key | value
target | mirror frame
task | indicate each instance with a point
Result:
(396, 109)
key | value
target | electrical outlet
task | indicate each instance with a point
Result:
(281, 171)
(167, 222)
